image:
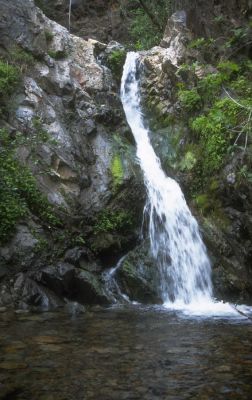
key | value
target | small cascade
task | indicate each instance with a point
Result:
(174, 235)
(111, 286)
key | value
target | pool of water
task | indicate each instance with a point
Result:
(127, 352)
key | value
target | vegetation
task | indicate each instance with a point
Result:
(18, 190)
(117, 170)
(221, 108)
(189, 99)
(151, 14)
(21, 58)
(49, 36)
(57, 55)
(113, 221)
(116, 60)
(9, 77)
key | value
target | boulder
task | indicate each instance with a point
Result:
(138, 276)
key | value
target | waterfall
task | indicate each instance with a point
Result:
(174, 235)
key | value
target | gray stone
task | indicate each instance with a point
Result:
(27, 293)
(138, 276)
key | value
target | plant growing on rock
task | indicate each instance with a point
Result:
(112, 221)
(117, 171)
(9, 77)
(189, 99)
(19, 193)
(116, 61)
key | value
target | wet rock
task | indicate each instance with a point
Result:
(87, 288)
(67, 281)
(3, 271)
(77, 256)
(74, 308)
(27, 293)
(57, 278)
(138, 276)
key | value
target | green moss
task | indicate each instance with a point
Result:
(117, 170)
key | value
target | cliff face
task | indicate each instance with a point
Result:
(67, 111)
(66, 114)
(97, 19)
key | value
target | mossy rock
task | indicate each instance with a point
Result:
(138, 276)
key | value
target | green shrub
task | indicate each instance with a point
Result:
(143, 35)
(190, 99)
(228, 68)
(211, 85)
(9, 77)
(112, 221)
(200, 43)
(242, 86)
(116, 60)
(21, 58)
(18, 191)
(188, 161)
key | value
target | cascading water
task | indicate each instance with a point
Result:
(174, 234)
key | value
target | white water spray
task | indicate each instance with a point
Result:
(174, 234)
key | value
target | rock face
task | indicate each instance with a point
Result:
(86, 168)
(201, 14)
(102, 20)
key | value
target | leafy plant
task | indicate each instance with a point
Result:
(188, 161)
(112, 221)
(19, 192)
(200, 43)
(116, 61)
(9, 77)
(21, 58)
(211, 85)
(189, 99)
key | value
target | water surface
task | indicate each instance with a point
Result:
(124, 353)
